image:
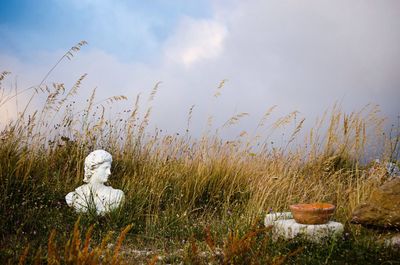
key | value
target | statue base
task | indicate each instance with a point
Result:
(286, 227)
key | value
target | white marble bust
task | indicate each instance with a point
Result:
(95, 195)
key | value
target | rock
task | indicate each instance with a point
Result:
(392, 169)
(393, 241)
(383, 207)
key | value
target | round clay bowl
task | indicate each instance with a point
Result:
(312, 213)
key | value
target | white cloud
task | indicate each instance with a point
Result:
(301, 57)
(195, 40)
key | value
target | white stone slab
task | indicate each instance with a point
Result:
(286, 227)
(289, 229)
(273, 217)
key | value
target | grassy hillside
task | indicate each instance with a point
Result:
(187, 200)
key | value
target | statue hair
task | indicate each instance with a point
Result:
(93, 160)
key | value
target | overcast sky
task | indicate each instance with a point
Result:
(300, 55)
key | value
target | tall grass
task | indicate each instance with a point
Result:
(174, 184)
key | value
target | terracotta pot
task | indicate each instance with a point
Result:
(312, 213)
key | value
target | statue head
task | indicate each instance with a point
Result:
(97, 166)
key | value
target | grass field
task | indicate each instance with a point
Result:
(188, 200)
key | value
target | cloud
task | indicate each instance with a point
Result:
(301, 57)
(195, 40)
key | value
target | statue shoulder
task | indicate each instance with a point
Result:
(69, 198)
(119, 193)
(78, 195)
(112, 190)
(83, 189)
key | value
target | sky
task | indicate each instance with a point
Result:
(299, 55)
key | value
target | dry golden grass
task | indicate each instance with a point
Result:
(76, 253)
(176, 177)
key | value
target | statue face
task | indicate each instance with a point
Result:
(101, 173)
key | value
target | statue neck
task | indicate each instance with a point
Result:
(96, 185)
